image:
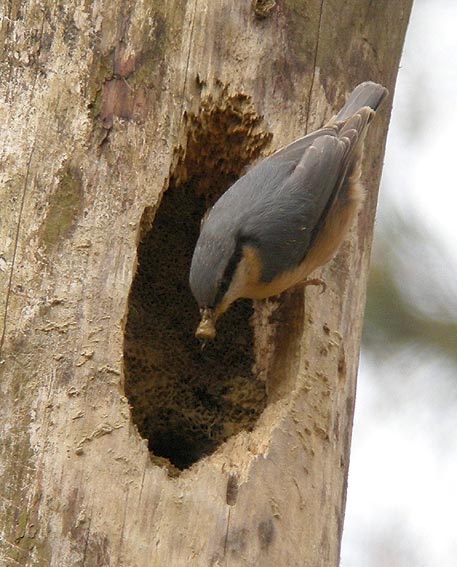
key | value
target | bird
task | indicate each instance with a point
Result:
(286, 216)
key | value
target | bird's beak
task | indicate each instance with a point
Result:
(206, 330)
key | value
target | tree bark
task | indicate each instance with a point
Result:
(123, 444)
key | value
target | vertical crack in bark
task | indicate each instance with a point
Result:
(314, 64)
(189, 49)
(21, 209)
(16, 244)
(226, 537)
(124, 521)
(140, 493)
(86, 541)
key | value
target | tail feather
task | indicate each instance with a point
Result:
(366, 94)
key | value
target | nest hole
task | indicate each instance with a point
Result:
(184, 400)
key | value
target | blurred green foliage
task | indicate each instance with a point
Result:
(412, 291)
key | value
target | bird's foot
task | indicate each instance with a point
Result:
(314, 281)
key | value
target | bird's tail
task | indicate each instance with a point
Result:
(366, 94)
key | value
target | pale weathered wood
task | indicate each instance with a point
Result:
(98, 99)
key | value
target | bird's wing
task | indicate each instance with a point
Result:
(352, 134)
(295, 208)
(294, 151)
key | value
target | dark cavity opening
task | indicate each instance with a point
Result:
(187, 401)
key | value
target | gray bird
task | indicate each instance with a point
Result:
(286, 216)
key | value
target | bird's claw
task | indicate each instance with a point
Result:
(315, 281)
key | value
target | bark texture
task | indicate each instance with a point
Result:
(120, 122)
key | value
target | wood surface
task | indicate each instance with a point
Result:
(120, 122)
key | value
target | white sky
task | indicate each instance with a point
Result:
(402, 499)
(420, 160)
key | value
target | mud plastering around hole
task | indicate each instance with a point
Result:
(187, 401)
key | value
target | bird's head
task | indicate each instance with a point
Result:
(214, 264)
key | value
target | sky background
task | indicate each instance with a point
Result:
(402, 497)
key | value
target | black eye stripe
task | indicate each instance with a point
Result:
(231, 267)
(229, 271)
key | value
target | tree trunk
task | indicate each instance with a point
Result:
(124, 444)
